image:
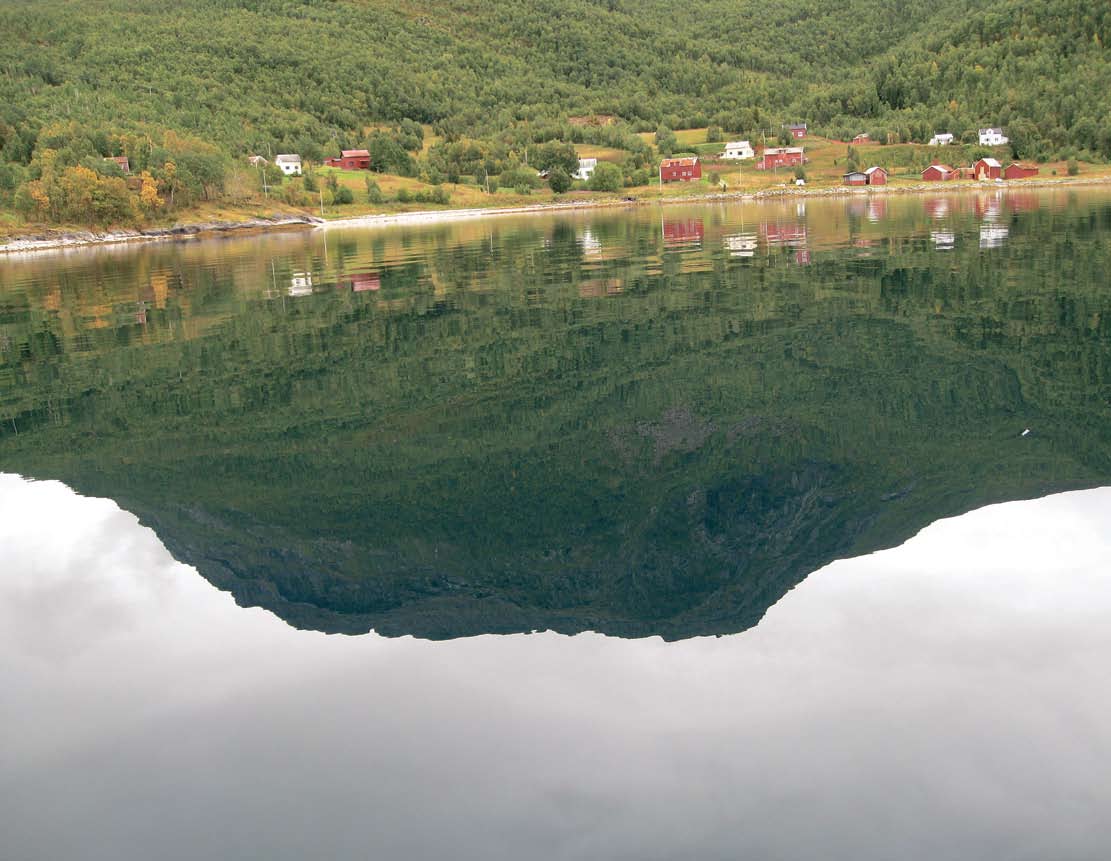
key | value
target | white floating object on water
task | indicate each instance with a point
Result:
(1025, 432)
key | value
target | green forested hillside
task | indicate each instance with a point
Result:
(195, 83)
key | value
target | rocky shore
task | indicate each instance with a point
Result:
(48, 240)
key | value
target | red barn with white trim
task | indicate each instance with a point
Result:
(680, 169)
(781, 156)
(351, 159)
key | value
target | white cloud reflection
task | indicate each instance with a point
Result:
(946, 699)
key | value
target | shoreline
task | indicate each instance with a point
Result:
(203, 230)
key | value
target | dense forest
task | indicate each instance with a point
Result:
(186, 89)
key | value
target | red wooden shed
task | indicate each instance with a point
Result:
(1016, 170)
(680, 169)
(856, 177)
(876, 175)
(937, 173)
(987, 168)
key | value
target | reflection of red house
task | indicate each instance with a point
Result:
(680, 169)
(781, 156)
(938, 173)
(783, 234)
(1023, 201)
(937, 207)
(1015, 170)
(364, 281)
(687, 232)
(350, 159)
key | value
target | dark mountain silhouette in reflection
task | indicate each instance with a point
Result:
(668, 458)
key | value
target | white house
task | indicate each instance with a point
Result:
(738, 150)
(586, 168)
(289, 163)
(993, 137)
(943, 139)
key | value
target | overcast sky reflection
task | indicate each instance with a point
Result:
(946, 699)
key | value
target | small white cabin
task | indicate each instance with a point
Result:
(943, 139)
(289, 163)
(737, 150)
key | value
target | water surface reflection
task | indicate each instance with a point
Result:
(643, 422)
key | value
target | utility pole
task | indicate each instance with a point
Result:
(321, 190)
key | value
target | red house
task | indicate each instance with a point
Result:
(987, 168)
(122, 161)
(783, 156)
(876, 175)
(856, 177)
(350, 159)
(797, 130)
(938, 173)
(680, 169)
(1015, 170)
(862, 138)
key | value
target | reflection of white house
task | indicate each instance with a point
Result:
(289, 163)
(586, 168)
(590, 243)
(738, 150)
(993, 235)
(943, 240)
(993, 137)
(943, 139)
(741, 244)
(300, 284)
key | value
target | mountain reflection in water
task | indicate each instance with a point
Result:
(945, 699)
(647, 422)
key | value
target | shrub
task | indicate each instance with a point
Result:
(607, 177)
(559, 180)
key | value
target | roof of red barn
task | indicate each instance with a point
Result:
(355, 153)
(679, 162)
(1025, 165)
(990, 162)
(872, 170)
(941, 167)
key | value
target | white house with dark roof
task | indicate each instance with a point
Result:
(993, 137)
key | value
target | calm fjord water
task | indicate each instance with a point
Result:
(637, 423)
